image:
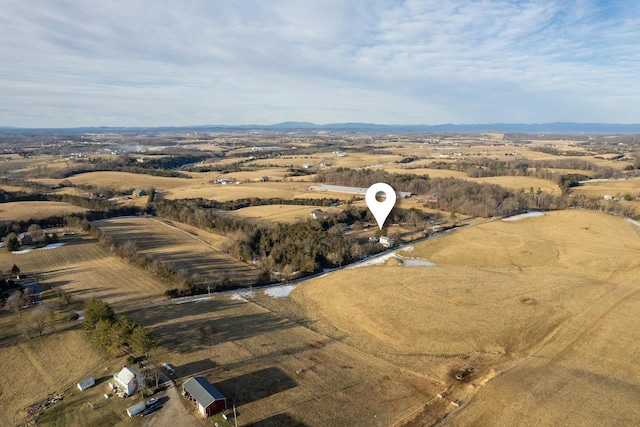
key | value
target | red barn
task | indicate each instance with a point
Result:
(205, 396)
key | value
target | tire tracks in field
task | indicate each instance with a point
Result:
(185, 232)
(563, 338)
(576, 328)
(36, 364)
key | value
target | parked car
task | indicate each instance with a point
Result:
(151, 402)
(168, 368)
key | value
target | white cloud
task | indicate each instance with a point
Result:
(201, 62)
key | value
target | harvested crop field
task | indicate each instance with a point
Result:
(265, 190)
(23, 211)
(181, 246)
(122, 180)
(87, 270)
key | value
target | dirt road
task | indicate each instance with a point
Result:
(173, 412)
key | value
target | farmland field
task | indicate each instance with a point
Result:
(274, 368)
(285, 190)
(121, 180)
(543, 287)
(558, 287)
(182, 246)
(87, 270)
(32, 369)
(280, 213)
(528, 321)
(616, 188)
(512, 182)
(22, 211)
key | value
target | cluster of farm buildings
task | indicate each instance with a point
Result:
(207, 399)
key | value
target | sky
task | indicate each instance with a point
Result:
(189, 62)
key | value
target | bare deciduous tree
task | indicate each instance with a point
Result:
(16, 300)
(39, 317)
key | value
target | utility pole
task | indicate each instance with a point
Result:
(235, 419)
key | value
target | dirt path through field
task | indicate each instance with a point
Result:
(36, 364)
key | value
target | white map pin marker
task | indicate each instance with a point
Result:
(380, 210)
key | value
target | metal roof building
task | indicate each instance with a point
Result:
(207, 398)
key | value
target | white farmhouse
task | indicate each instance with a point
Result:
(128, 381)
(386, 241)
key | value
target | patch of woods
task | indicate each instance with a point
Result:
(112, 333)
(286, 251)
(17, 294)
(556, 152)
(475, 199)
(453, 195)
(232, 205)
(543, 169)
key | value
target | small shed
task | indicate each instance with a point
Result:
(85, 384)
(431, 198)
(319, 214)
(205, 396)
(386, 241)
(134, 410)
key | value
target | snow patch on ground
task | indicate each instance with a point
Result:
(633, 221)
(379, 260)
(242, 295)
(406, 262)
(194, 300)
(27, 250)
(279, 291)
(22, 251)
(408, 248)
(53, 246)
(524, 215)
(418, 263)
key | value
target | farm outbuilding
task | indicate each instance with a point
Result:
(134, 410)
(85, 384)
(206, 397)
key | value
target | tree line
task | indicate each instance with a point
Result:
(453, 195)
(486, 167)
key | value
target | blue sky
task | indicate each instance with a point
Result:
(168, 63)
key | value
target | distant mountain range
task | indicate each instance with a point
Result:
(557, 128)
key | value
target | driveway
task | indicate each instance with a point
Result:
(173, 412)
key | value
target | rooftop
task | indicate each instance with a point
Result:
(202, 391)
